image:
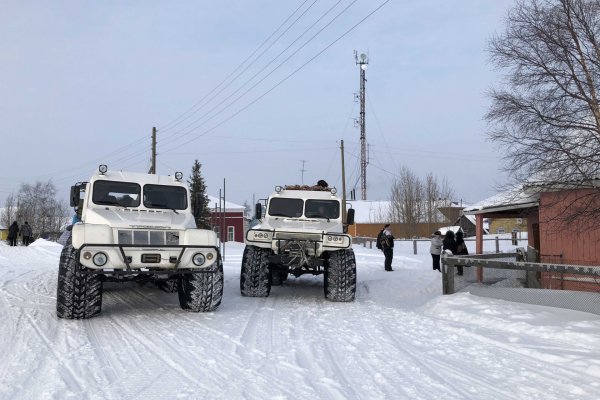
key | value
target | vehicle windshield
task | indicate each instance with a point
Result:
(110, 193)
(282, 207)
(329, 209)
(167, 197)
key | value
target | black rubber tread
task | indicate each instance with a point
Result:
(201, 291)
(255, 279)
(340, 276)
(78, 295)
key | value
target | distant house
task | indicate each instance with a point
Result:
(3, 232)
(542, 209)
(508, 225)
(228, 222)
(370, 217)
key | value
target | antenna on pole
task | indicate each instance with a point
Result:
(362, 61)
(303, 170)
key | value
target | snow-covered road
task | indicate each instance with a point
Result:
(400, 339)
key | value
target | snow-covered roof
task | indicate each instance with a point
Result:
(371, 211)
(229, 206)
(509, 200)
(450, 228)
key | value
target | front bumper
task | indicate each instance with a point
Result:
(164, 258)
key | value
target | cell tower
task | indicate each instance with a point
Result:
(362, 61)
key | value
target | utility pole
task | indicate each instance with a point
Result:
(343, 188)
(362, 62)
(153, 159)
(224, 234)
(303, 170)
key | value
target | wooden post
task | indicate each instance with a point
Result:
(415, 246)
(497, 245)
(447, 277)
(479, 243)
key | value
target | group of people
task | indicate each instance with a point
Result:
(450, 242)
(25, 231)
(455, 244)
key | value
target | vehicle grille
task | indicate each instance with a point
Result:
(314, 237)
(148, 238)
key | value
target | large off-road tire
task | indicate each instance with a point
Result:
(201, 291)
(78, 295)
(340, 275)
(255, 274)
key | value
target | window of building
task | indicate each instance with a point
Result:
(500, 231)
(230, 233)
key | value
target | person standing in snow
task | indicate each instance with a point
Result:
(436, 249)
(461, 249)
(13, 232)
(449, 243)
(26, 234)
(387, 245)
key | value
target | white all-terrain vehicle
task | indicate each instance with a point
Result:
(302, 232)
(136, 226)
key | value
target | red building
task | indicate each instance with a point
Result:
(227, 220)
(561, 224)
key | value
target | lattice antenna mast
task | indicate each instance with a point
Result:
(362, 61)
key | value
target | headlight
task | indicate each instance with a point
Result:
(100, 259)
(198, 259)
(262, 236)
(336, 240)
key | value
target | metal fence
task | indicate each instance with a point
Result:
(516, 277)
(490, 244)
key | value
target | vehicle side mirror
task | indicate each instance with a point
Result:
(258, 211)
(350, 217)
(74, 196)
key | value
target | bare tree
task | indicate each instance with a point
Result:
(37, 204)
(414, 201)
(546, 114)
(9, 214)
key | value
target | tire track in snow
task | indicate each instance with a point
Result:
(128, 298)
(71, 376)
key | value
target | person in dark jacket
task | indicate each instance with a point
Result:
(387, 245)
(461, 249)
(449, 242)
(26, 234)
(13, 232)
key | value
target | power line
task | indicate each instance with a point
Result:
(169, 124)
(285, 78)
(230, 104)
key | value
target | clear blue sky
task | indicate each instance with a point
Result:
(83, 83)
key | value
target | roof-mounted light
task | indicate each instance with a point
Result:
(278, 189)
(102, 169)
(178, 176)
(333, 191)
